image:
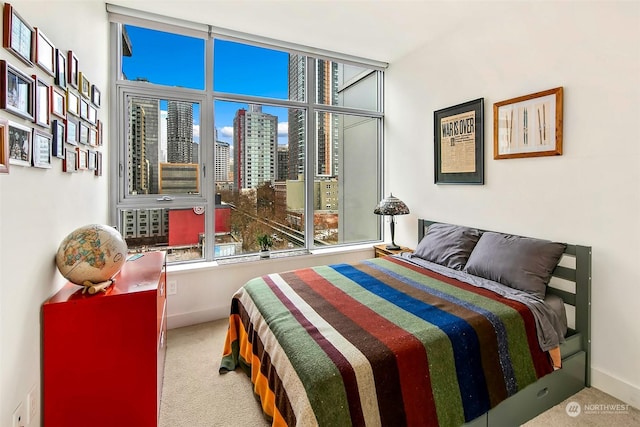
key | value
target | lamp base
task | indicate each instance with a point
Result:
(393, 247)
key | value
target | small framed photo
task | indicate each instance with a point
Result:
(96, 96)
(100, 138)
(93, 137)
(58, 103)
(98, 171)
(70, 163)
(61, 69)
(83, 158)
(528, 126)
(84, 109)
(84, 131)
(72, 132)
(84, 87)
(19, 144)
(45, 53)
(17, 89)
(459, 143)
(91, 163)
(73, 103)
(4, 145)
(59, 135)
(92, 115)
(42, 102)
(18, 36)
(72, 69)
(41, 149)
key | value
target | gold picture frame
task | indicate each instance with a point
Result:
(528, 126)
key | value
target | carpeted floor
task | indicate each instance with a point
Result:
(195, 395)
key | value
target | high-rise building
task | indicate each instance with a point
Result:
(326, 75)
(180, 132)
(142, 161)
(255, 141)
(222, 161)
(282, 164)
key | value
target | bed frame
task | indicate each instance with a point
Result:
(571, 281)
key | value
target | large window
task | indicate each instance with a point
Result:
(261, 141)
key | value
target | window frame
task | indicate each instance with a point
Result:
(122, 88)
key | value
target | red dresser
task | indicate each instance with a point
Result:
(103, 354)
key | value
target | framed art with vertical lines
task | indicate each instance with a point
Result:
(528, 126)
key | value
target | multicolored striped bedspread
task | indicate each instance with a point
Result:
(381, 342)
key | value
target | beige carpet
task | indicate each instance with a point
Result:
(195, 395)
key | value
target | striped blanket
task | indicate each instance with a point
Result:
(381, 342)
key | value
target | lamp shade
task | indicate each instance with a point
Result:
(391, 206)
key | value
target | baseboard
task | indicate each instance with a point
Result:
(616, 387)
(194, 317)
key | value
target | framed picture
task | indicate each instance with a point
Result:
(93, 136)
(4, 145)
(96, 96)
(84, 87)
(70, 163)
(459, 143)
(19, 144)
(42, 104)
(73, 132)
(73, 103)
(18, 36)
(45, 53)
(72, 69)
(17, 89)
(83, 133)
(91, 163)
(528, 126)
(58, 103)
(61, 69)
(59, 136)
(84, 109)
(92, 115)
(83, 158)
(41, 149)
(98, 171)
(100, 139)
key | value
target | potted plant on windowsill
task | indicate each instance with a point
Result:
(266, 242)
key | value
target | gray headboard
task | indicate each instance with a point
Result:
(578, 273)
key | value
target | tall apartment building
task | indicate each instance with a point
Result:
(282, 165)
(144, 114)
(326, 131)
(255, 141)
(222, 161)
(179, 132)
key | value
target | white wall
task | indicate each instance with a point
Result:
(38, 207)
(590, 195)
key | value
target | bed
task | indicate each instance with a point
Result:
(474, 328)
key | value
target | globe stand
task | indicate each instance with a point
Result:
(94, 288)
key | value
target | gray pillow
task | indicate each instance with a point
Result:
(447, 244)
(521, 263)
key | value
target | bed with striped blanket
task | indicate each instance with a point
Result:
(380, 342)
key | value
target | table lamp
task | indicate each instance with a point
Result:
(391, 206)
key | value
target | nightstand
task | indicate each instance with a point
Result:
(381, 250)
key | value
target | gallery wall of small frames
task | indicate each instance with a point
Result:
(55, 104)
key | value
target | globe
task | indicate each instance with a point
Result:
(93, 253)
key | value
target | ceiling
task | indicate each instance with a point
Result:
(382, 30)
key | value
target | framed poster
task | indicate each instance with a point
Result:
(528, 126)
(4, 145)
(19, 144)
(41, 149)
(72, 132)
(45, 53)
(18, 36)
(459, 143)
(57, 145)
(72, 69)
(73, 103)
(58, 103)
(83, 158)
(42, 105)
(16, 90)
(61, 69)
(70, 160)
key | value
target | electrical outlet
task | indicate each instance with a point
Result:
(20, 416)
(172, 287)
(32, 404)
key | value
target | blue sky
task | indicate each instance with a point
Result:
(174, 60)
